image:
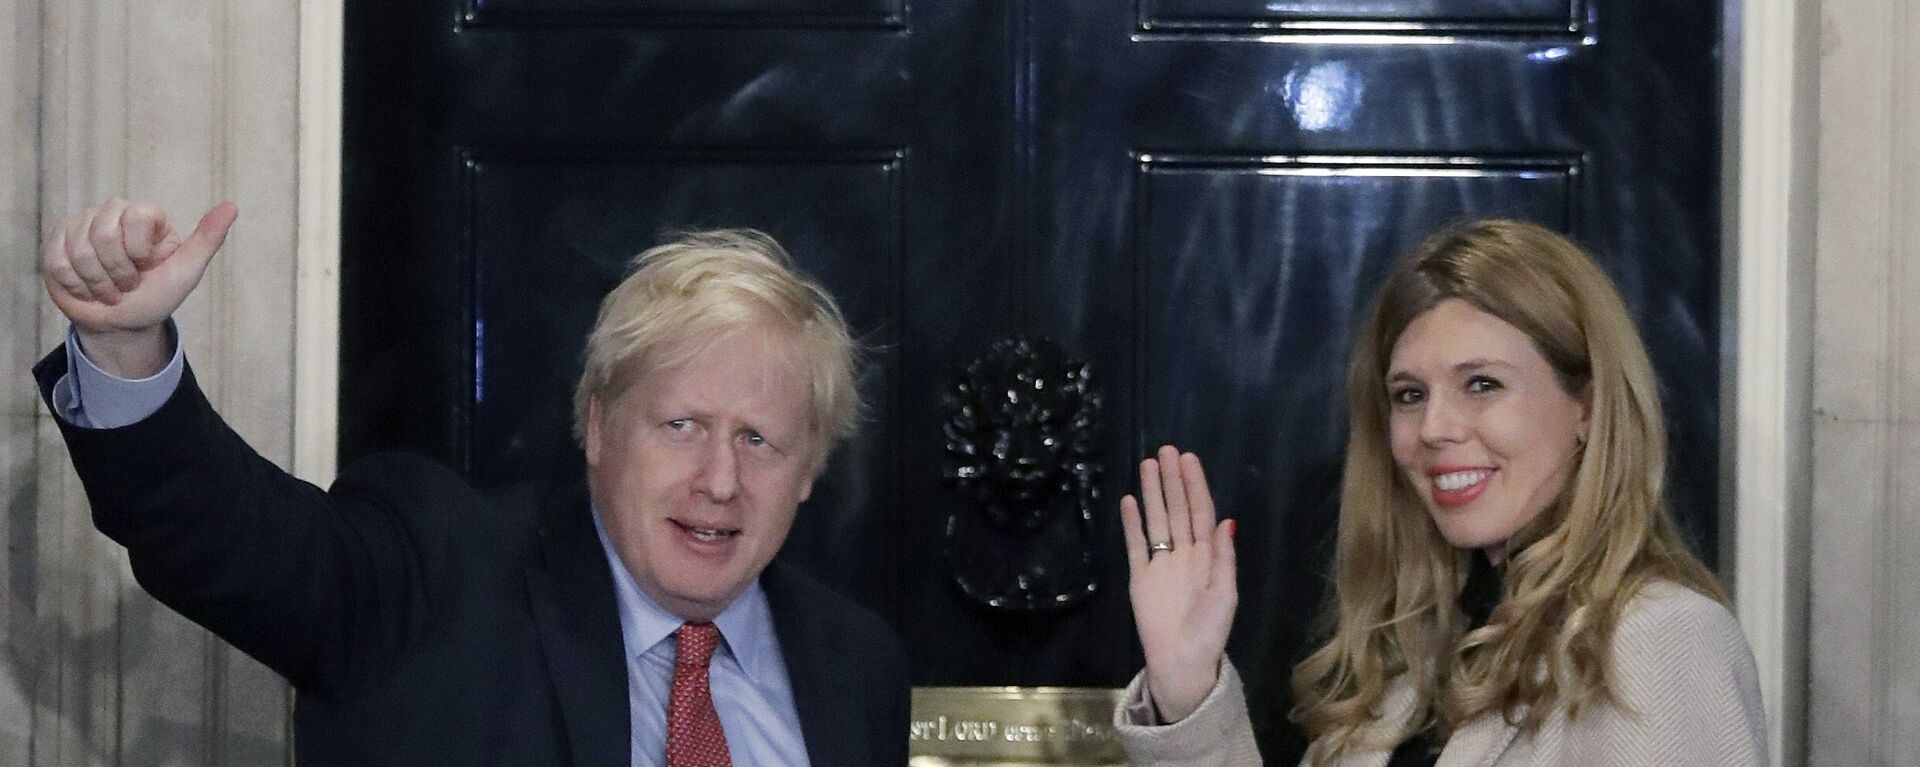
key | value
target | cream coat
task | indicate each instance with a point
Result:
(1682, 668)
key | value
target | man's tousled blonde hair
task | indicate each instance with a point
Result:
(684, 295)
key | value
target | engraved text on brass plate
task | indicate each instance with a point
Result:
(1008, 726)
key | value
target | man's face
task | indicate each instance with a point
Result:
(697, 470)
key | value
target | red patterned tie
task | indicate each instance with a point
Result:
(694, 738)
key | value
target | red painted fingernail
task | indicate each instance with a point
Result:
(1233, 528)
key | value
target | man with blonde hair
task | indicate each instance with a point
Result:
(643, 622)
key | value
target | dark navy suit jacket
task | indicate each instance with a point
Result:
(423, 622)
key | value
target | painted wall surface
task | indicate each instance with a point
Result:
(185, 103)
(1863, 654)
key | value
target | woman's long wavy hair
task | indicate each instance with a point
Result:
(1569, 574)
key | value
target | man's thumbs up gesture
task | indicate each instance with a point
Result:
(119, 271)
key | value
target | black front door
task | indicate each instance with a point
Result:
(1193, 196)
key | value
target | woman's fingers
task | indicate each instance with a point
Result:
(1154, 503)
(1199, 503)
(1176, 505)
(1130, 528)
(1179, 524)
(1225, 559)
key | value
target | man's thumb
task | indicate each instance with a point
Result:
(210, 234)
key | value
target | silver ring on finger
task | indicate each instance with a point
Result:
(1160, 548)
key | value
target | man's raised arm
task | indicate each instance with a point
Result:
(317, 586)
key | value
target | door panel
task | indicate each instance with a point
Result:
(1400, 15)
(686, 13)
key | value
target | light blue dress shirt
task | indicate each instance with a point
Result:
(748, 674)
(91, 398)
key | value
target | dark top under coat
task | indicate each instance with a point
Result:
(1478, 597)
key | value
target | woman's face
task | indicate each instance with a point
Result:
(1479, 423)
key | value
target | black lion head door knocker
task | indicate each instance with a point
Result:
(1022, 431)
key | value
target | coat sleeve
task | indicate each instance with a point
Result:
(1686, 688)
(321, 587)
(1217, 734)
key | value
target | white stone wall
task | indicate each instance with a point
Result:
(1863, 658)
(19, 316)
(186, 102)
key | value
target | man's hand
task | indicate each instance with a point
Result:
(1183, 580)
(120, 270)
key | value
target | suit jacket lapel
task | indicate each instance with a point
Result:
(579, 623)
(830, 705)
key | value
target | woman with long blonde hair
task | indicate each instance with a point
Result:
(1508, 587)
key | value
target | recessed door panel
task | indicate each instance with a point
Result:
(1383, 15)
(685, 13)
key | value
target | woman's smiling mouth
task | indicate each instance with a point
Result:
(1457, 486)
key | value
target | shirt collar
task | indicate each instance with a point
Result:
(746, 625)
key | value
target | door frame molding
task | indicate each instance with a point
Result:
(316, 316)
(1769, 129)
